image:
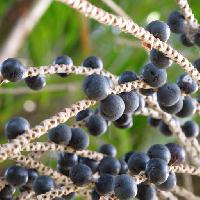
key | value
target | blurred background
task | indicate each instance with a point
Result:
(37, 31)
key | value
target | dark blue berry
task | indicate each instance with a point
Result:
(15, 127)
(105, 184)
(7, 192)
(127, 76)
(96, 87)
(125, 121)
(16, 176)
(176, 22)
(83, 114)
(91, 163)
(168, 94)
(109, 165)
(169, 184)
(108, 149)
(62, 170)
(127, 155)
(60, 134)
(145, 192)
(112, 108)
(32, 175)
(131, 101)
(157, 171)
(185, 40)
(153, 122)
(197, 39)
(63, 60)
(154, 76)
(96, 125)
(80, 174)
(43, 184)
(159, 59)
(125, 187)
(164, 129)
(93, 62)
(141, 103)
(159, 30)
(124, 167)
(95, 195)
(12, 69)
(79, 140)
(177, 154)
(137, 162)
(35, 82)
(159, 151)
(67, 160)
(191, 129)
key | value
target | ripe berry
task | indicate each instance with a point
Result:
(12, 69)
(159, 29)
(7, 192)
(35, 82)
(159, 59)
(168, 94)
(96, 87)
(15, 127)
(127, 76)
(124, 167)
(154, 76)
(187, 84)
(105, 184)
(145, 192)
(157, 171)
(125, 187)
(112, 107)
(197, 39)
(67, 160)
(159, 151)
(125, 121)
(137, 162)
(197, 64)
(189, 107)
(185, 40)
(16, 175)
(63, 60)
(63, 170)
(83, 114)
(191, 129)
(93, 62)
(96, 125)
(108, 149)
(32, 175)
(91, 163)
(79, 140)
(176, 22)
(131, 101)
(169, 184)
(153, 122)
(164, 129)
(80, 174)
(177, 154)
(174, 108)
(109, 165)
(43, 184)
(60, 134)
(127, 155)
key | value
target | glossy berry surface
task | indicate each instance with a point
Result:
(159, 30)
(32, 175)
(125, 187)
(190, 129)
(137, 162)
(83, 114)
(124, 167)
(164, 129)
(43, 184)
(177, 154)
(127, 76)
(125, 121)
(67, 160)
(109, 165)
(108, 149)
(60, 134)
(35, 82)
(93, 62)
(154, 76)
(79, 140)
(63, 60)
(16, 175)
(12, 69)
(145, 192)
(91, 163)
(157, 171)
(153, 122)
(159, 59)
(96, 87)
(112, 108)
(159, 151)
(15, 127)
(80, 174)
(96, 125)
(168, 94)
(105, 184)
